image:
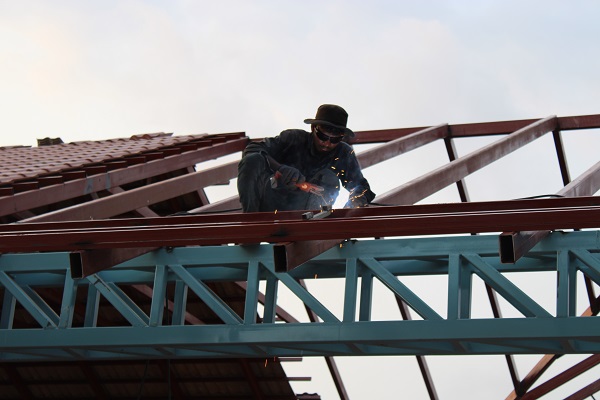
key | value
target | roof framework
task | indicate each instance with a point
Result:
(130, 270)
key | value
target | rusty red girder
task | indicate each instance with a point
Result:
(428, 184)
(513, 245)
(541, 214)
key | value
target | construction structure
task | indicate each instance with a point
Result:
(120, 279)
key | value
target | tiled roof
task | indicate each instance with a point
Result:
(22, 163)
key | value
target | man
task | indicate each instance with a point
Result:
(300, 170)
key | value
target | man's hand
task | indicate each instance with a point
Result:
(290, 176)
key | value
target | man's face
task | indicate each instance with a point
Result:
(326, 138)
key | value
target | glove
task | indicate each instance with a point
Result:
(290, 176)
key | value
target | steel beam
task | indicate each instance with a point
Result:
(513, 245)
(562, 378)
(401, 145)
(519, 336)
(426, 185)
(380, 222)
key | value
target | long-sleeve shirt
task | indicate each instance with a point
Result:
(294, 147)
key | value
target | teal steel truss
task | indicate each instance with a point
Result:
(445, 321)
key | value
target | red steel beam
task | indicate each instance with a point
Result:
(586, 392)
(402, 145)
(425, 185)
(283, 216)
(514, 245)
(562, 378)
(380, 222)
(546, 361)
(479, 128)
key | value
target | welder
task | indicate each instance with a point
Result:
(300, 170)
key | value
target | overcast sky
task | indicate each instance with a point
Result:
(85, 70)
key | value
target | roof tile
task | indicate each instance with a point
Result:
(24, 162)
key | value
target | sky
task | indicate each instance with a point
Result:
(89, 70)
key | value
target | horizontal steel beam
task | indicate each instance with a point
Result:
(346, 224)
(476, 337)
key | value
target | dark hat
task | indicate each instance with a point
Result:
(331, 115)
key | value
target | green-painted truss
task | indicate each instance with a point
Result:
(358, 265)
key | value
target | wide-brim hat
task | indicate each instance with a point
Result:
(331, 115)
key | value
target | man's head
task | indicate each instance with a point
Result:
(329, 127)
(326, 138)
(330, 115)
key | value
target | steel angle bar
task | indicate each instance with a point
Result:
(366, 296)
(592, 264)
(41, 303)
(252, 288)
(562, 157)
(69, 298)
(7, 314)
(43, 314)
(513, 245)
(401, 145)
(460, 184)
(566, 285)
(159, 296)
(306, 297)
(179, 302)
(128, 309)
(506, 288)
(269, 301)
(419, 188)
(586, 392)
(92, 305)
(401, 290)
(459, 288)
(350, 290)
(214, 302)
(562, 378)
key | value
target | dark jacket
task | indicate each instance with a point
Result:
(294, 147)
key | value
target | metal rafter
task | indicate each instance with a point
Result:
(428, 184)
(514, 245)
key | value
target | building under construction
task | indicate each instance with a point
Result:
(120, 279)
